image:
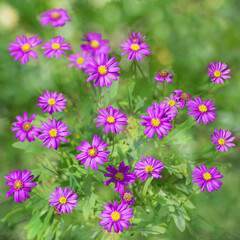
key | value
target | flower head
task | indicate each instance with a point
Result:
(23, 48)
(112, 119)
(127, 197)
(64, 200)
(55, 47)
(222, 139)
(20, 183)
(207, 178)
(202, 111)
(134, 37)
(121, 177)
(182, 97)
(173, 103)
(79, 60)
(217, 72)
(53, 132)
(163, 75)
(116, 215)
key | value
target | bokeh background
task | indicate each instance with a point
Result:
(184, 36)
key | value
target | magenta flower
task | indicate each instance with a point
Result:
(93, 155)
(23, 48)
(127, 198)
(163, 75)
(57, 17)
(217, 72)
(52, 102)
(112, 119)
(64, 200)
(25, 128)
(202, 111)
(222, 140)
(136, 37)
(207, 178)
(103, 70)
(148, 166)
(55, 47)
(53, 132)
(120, 177)
(20, 183)
(79, 60)
(182, 97)
(116, 216)
(94, 44)
(174, 104)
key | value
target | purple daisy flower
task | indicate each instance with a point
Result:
(217, 72)
(112, 119)
(202, 111)
(64, 200)
(116, 216)
(222, 140)
(147, 166)
(94, 44)
(163, 75)
(207, 178)
(93, 155)
(20, 183)
(57, 17)
(137, 36)
(25, 128)
(157, 120)
(53, 132)
(51, 102)
(55, 47)
(174, 104)
(23, 48)
(182, 97)
(103, 70)
(121, 177)
(127, 198)
(135, 49)
(79, 60)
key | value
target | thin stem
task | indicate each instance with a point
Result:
(164, 89)
(206, 91)
(183, 202)
(135, 67)
(141, 71)
(49, 169)
(113, 145)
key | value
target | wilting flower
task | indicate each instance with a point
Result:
(64, 200)
(25, 128)
(103, 70)
(79, 60)
(52, 102)
(121, 177)
(116, 216)
(20, 183)
(174, 104)
(202, 111)
(53, 132)
(217, 72)
(163, 75)
(94, 44)
(207, 178)
(23, 48)
(93, 155)
(137, 37)
(112, 119)
(55, 47)
(222, 140)
(182, 97)
(57, 17)
(149, 166)
(127, 198)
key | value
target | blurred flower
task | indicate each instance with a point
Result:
(79, 60)
(222, 140)
(121, 177)
(19, 184)
(174, 104)
(163, 75)
(103, 70)
(23, 48)
(182, 97)
(127, 197)
(137, 36)
(55, 47)
(93, 155)
(147, 166)
(116, 216)
(207, 178)
(8, 16)
(112, 119)
(51, 102)
(217, 72)
(53, 132)
(25, 128)
(64, 200)
(57, 17)
(202, 111)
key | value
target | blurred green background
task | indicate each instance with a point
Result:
(184, 36)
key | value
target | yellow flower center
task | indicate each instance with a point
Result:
(63, 200)
(155, 122)
(27, 126)
(92, 152)
(135, 47)
(55, 46)
(53, 132)
(171, 103)
(221, 141)
(115, 216)
(80, 60)
(207, 176)
(119, 176)
(127, 197)
(202, 108)
(94, 44)
(163, 73)
(149, 169)
(111, 119)
(102, 70)
(51, 101)
(217, 74)
(18, 184)
(55, 15)
(26, 47)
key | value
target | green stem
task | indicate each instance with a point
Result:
(164, 90)
(146, 185)
(206, 91)
(183, 202)
(141, 71)
(49, 169)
